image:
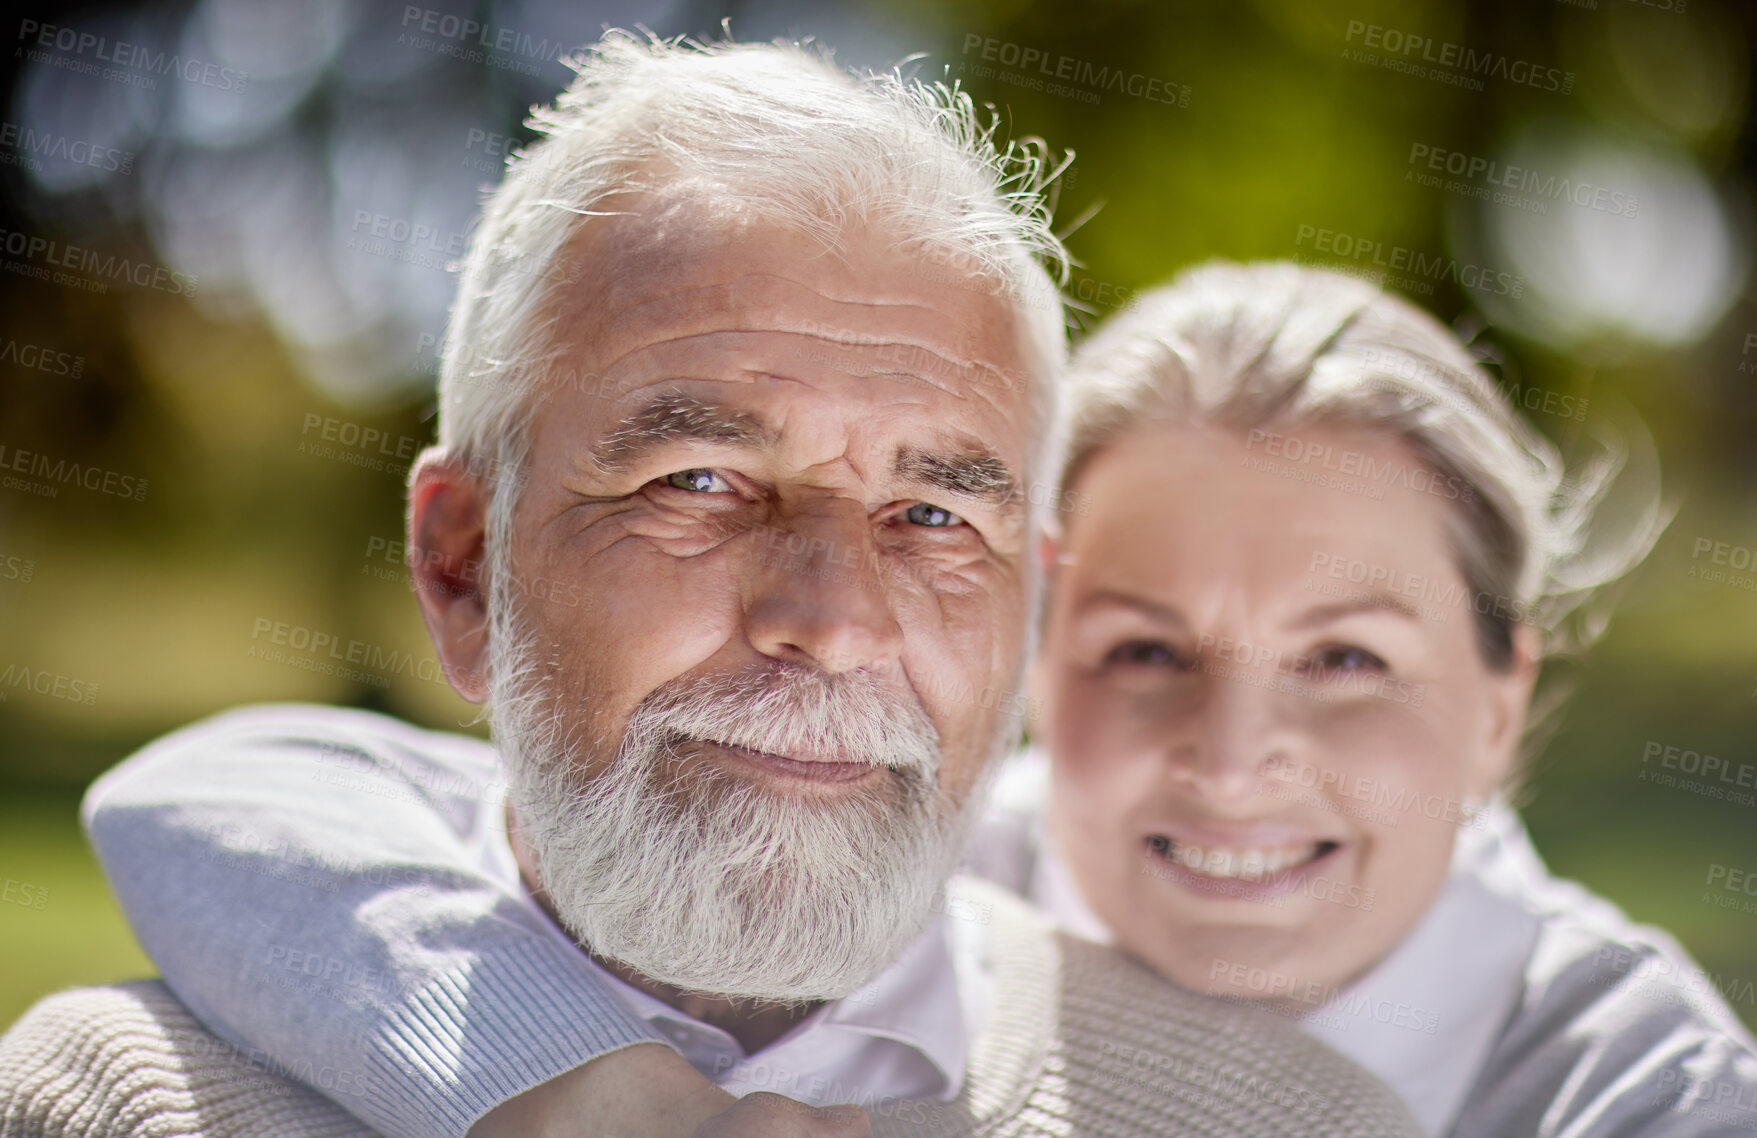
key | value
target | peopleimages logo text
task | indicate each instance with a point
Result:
(39, 465)
(446, 26)
(1457, 58)
(1423, 268)
(27, 142)
(95, 265)
(135, 57)
(1071, 70)
(1519, 180)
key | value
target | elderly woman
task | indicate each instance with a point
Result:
(1297, 613)
(1308, 566)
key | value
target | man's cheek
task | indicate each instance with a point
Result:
(973, 701)
(945, 697)
(632, 598)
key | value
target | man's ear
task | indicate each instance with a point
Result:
(1509, 703)
(448, 527)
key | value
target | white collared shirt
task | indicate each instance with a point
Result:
(903, 1035)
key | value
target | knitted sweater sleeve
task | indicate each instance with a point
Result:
(310, 881)
(129, 1061)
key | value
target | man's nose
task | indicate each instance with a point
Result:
(821, 593)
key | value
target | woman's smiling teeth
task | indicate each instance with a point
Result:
(1249, 864)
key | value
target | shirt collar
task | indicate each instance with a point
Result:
(917, 1003)
(902, 1034)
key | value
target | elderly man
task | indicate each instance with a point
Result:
(731, 535)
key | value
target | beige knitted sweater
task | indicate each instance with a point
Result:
(1080, 1041)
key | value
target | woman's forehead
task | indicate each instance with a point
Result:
(1175, 500)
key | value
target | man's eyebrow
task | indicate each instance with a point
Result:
(673, 417)
(974, 474)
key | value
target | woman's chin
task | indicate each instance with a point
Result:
(1240, 962)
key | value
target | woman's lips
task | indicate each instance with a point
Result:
(1249, 862)
(1238, 870)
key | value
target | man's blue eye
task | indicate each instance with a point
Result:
(928, 514)
(698, 480)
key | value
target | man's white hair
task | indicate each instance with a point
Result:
(780, 133)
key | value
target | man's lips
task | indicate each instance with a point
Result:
(809, 768)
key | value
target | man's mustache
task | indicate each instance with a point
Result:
(795, 712)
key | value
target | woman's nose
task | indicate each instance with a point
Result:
(1240, 734)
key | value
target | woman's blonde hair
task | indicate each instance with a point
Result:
(1276, 346)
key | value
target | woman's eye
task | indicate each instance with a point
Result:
(928, 514)
(1148, 653)
(699, 480)
(1347, 658)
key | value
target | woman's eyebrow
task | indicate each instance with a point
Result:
(1367, 603)
(1160, 612)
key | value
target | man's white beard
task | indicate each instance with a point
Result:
(711, 883)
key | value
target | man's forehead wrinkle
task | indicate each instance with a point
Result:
(768, 301)
(915, 360)
(946, 332)
(725, 353)
(676, 229)
(711, 276)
